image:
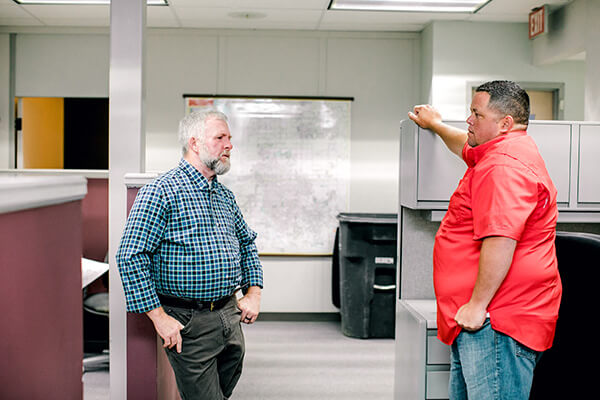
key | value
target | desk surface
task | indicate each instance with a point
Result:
(19, 192)
(91, 270)
(426, 309)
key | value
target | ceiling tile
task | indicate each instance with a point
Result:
(280, 14)
(161, 17)
(274, 19)
(513, 10)
(243, 4)
(377, 21)
(69, 12)
(10, 11)
(19, 21)
(79, 22)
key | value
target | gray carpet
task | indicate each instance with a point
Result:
(301, 360)
(313, 360)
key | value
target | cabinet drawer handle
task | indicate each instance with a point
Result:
(384, 287)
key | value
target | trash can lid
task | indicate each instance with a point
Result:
(368, 218)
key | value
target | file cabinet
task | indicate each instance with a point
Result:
(422, 360)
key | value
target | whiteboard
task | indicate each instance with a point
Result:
(290, 168)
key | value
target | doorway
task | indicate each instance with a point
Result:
(545, 99)
(62, 133)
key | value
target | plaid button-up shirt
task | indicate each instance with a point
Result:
(187, 238)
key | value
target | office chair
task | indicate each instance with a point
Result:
(565, 371)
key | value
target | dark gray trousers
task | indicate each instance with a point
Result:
(210, 363)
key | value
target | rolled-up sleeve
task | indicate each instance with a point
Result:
(142, 235)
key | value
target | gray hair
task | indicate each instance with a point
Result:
(193, 124)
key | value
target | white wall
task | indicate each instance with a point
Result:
(574, 30)
(592, 61)
(566, 36)
(377, 69)
(426, 64)
(62, 65)
(4, 101)
(466, 52)
(381, 71)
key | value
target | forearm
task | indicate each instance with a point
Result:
(495, 260)
(454, 138)
(156, 315)
(254, 291)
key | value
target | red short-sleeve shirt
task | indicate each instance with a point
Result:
(506, 191)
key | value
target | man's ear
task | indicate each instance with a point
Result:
(506, 124)
(193, 144)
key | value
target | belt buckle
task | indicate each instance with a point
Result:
(212, 305)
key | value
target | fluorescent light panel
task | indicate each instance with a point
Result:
(459, 6)
(85, 2)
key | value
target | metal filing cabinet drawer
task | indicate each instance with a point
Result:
(422, 361)
(437, 384)
(437, 351)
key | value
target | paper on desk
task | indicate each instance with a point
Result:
(91, 270)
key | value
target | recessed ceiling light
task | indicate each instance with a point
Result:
(84, 2)
(247, 15)
(459, 6)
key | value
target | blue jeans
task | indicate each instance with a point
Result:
(489, 365)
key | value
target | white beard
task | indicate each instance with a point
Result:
(214, 164)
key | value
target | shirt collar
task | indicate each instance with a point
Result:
(197, 177)
(474, 154)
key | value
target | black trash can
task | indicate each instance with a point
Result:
(367, 274)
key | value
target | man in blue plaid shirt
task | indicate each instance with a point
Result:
(185, 251)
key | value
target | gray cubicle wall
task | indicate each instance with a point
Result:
(429, 173)
(418, 235)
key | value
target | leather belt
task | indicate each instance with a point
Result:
(192, 304)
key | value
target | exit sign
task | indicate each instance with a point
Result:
(538, 21)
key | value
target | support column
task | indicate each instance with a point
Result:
(126, 154)
(592, 61)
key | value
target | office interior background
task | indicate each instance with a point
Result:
(385, 62)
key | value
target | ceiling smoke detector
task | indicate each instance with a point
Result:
(247, 15)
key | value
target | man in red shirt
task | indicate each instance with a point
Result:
(495, 271)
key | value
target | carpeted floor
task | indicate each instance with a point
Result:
(301, 360)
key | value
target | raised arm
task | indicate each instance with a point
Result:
(428, 117)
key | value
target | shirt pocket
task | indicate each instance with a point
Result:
(459, 209)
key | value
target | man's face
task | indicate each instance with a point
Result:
(484, 123)
(216, 148)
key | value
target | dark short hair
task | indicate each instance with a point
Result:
(507, 98)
